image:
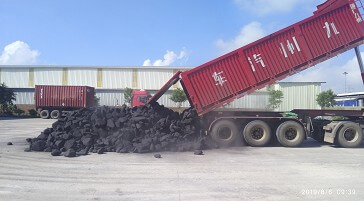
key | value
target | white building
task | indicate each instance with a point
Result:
(110, 82)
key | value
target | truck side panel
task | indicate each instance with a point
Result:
(208, 81)
(329, 32)
(63, 96)
(333, 30)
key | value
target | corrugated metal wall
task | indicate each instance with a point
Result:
(299, 95)
(153, 78)
(99, 77)
(86, 77)
(110, 82)
(116, 78)
(48, 76)
(110, 97)
(256, 100)
(15, 77)
(24, 96)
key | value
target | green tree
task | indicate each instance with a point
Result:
(326, 99)
(7, 97)
(275, 98)
(19, 112)
(178, 96)
(33, 113)
(128, 95)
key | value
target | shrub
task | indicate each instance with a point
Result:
(275, 98)
(19, 112)
(326, 99)
(7, 97)
(178, 96)
(128, 95)
(33, 113)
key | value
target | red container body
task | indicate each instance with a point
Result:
(335, 27)
(47, 96)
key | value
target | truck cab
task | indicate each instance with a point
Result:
(140, 97)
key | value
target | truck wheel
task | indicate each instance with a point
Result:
(257, 133)
(290, 134)
(224, 133)
(44, 114)
(350, 135)
(55, 114)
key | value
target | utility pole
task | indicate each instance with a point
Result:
(345, 73)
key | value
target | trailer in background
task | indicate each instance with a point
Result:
(350, 99)
(54, 101)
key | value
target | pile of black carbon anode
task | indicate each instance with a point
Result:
(142, 129)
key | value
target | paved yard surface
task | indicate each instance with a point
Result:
(311, 172)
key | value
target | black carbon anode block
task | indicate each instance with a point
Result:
(56, 152)
(142, 129)
(83, 151)
(198, 152)
(38, 145)
(70, 153)
(157, 156)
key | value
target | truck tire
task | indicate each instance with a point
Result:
(44, 114)
(55, 114)
(257, 133)
(224, 133)
(350, 135)
(290, 134)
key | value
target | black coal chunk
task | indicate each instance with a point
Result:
(198, 152)
(70, 153)
(38, 145)
(48, 149)
(69, 144)
(101, 150)
(56, 152)
(83, 151)
(157, 156)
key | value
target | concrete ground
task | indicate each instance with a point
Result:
(311, 172)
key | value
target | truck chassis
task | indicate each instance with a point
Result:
(259, 128)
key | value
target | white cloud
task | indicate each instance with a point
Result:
(263, 7)
(332, 73)
(249, 33)
(169, 58)
(18, 53)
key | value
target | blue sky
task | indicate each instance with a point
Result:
(159, 32)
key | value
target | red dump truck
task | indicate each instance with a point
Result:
(54, 101)
(335, 27)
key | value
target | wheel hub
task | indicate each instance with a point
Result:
(257, 133)
(349, 134)
(291, 134)
(225, 133)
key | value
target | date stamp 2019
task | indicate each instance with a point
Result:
(320, 192)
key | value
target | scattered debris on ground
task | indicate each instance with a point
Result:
(142, 129)
(198, 152)
(157, 156)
